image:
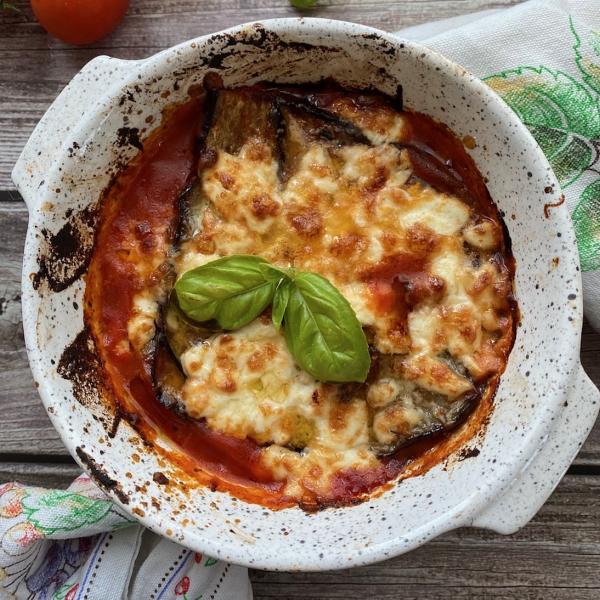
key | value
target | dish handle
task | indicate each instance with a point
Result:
(53, 130)
(536, 482)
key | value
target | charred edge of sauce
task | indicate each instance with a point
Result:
(79, 364)
(129, 136)
(96, 471)
(65, 255)
(399, 98)
(256, 37)
(160, 478)
(386, 47)
(550, 205)
(466, 453)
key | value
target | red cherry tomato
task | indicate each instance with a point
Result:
(79, 21)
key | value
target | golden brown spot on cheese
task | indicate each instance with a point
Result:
(259, 360)
(376, 181)
(421, 239)
(307, 223)
(227, 181)
(264, 206)
(484, 234)
(346, 244)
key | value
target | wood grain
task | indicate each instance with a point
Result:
(554, 557)
(50, 475)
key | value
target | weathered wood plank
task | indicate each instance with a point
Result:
(50, 475)
(35, 67)
(24, 426)
(556, 556)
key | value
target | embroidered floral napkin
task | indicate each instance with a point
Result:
(543, 58)
(77, 545)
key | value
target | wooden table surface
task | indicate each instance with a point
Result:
(556, 556)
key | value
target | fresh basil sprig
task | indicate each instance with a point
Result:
(321, 330)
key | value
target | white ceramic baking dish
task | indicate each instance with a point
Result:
(545, 405)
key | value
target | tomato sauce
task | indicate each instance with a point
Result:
(441, 160)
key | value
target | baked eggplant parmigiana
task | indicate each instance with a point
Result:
(384, 208)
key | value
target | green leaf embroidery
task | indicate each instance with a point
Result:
(63, 590)
(586, 219)
(584, 48)
(210, 562)
(59, 510)
(559, 111)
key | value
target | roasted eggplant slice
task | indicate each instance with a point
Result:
(192, 204)
(416, 413)
(441, 176)
(301, 125)
(403, 412)
(179, 332)
(240, 115)
(168, 377)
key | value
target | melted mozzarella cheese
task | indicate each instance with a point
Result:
(141, 326)
(245, 383)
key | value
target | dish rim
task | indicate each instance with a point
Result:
(448, 520)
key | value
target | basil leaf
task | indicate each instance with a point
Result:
(280, 302)
(273, 272)
(231, 290)
(323, 333)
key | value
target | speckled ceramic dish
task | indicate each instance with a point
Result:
(545, 404)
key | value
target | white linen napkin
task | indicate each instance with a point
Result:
(543, 58)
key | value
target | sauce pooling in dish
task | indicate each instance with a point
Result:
(384, 203)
